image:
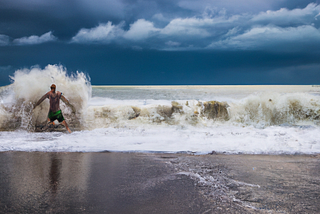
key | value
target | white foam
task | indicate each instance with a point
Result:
(262, 119)
(230, 139)
(29, 84)
(272, 108)
(18, 99)
(259, 109)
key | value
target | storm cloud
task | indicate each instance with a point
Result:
(210, 28)
(294, 29)
(270, 29)
(4, 40)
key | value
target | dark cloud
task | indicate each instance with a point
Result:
(165, 41)
(109, 64)
(192, 24)
(292, 4)
(4, 40)
(230, 6)
(278, 30)
(63, 18)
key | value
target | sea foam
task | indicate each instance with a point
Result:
(29, 85)
(197, 119)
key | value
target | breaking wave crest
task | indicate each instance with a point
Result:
(262, 109)
(269, 109)
(199, 119)
(29, 85)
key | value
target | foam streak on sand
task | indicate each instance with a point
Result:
(200, 119)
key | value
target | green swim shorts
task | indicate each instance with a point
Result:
(56, 116)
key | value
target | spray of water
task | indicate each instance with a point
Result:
(18, 99)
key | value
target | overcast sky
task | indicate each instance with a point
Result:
(165, 41)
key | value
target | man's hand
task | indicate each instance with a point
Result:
(73, 109)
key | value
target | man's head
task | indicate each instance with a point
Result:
(53, 87)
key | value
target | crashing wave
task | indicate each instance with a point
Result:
(260, 110)
(18, 99)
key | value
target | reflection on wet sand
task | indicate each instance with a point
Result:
(35, 182)
(41, 179)
(54, 173)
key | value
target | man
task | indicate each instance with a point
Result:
(55, 111)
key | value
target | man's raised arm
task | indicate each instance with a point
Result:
(68, 104)
(41, 99)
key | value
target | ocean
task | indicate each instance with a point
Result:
(245, 119)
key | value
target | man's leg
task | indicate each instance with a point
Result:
(49, 122)
(66, 125)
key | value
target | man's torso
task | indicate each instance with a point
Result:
(54, 101)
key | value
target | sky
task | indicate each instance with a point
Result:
(165, 42)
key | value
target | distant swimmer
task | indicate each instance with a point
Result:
(55, 111)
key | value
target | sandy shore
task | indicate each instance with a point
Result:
(40, 182)
(264, 183)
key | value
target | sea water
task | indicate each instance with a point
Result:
(196, 119)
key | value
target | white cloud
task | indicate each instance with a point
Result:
(188, 26)
(233, 31)
(4, 40)
(104, 33)
(306, 15)
(271, 37)
(141, 29)
(215, 29)
(32, 40)
(211, 25)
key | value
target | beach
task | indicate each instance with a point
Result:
(107, 182)
(265, 183)
(159, 149)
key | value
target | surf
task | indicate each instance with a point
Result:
(18, 99)
(192, 119)
(260, 110)
(135, 106)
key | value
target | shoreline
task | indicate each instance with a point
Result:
(77, 182)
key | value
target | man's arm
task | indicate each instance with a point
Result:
(41, 99)
(68, 104)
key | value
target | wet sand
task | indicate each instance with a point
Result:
(40, 182)
(264, 183)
